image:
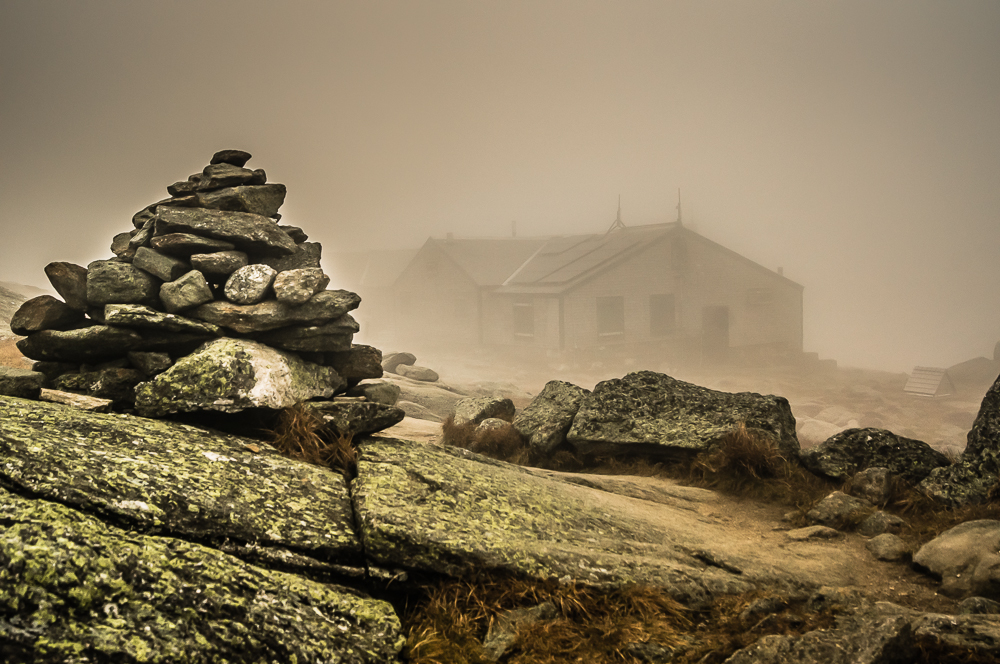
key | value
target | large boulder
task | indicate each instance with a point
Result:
(966, 558)
(231, 375)
(651, 413)
(548, 417)
(851, 451)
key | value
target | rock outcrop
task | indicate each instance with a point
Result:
(547, 419)
(851, 451)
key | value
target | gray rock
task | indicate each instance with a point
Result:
(187, 291)
(871, 484)
(120, 246)
(184, 187)
(250, 284)
(887, 547)
(109, 282)
(297, 286)
(305, 255)
(44, 313)
(503, 631)
(418, 411)
(220, 264)
(161, 266)
(840, 511)
(138, 316)
(474, 410)
(70, 281)
(295, 233)
(217, 176)
(150, 364)
(271, 315)
(237, 158)
(813, 533)
(652, 413)
(184, 245)
(880, 523)
(357, 418)
(262, 199)
(853, 450)
(547, 419)
(415, 372)
(251, 233)
(140, 218)
(376, 392)
(391, 361)
(966, 559)
(88, 344)
(334, 335)
(21, 383)
(977, 606)
(231, 375)
(140, 238)
(118, 385)
(356, 364)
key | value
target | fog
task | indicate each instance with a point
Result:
(854, 144)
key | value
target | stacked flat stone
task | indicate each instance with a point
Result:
(208, 262)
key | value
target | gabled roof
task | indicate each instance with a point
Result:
(557, 264)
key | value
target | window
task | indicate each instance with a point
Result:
(662, 318)
(524, 318)
(610, 315)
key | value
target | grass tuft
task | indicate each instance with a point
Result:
(10, 356)
(504, 443)
(300, 433)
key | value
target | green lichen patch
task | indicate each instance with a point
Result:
(152, 474)
(75, 590)
(450, 511)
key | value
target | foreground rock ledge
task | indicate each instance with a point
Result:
(189, 482)
(73, 589)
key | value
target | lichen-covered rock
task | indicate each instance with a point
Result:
(547, 419)
(70, 281)
(251, 233)
(88, 344)
(271, 315)
(304, 255)
(297, 286)
(44, 313)
(966, 558)
(965, 482)
(853, 450)
(109, 282)
(187, 482)
(652, 413)
(474, 410)
(218, 265)
(231, 375)
(357, 418)
(161, 266)
(250, 284)
(115, 384)
(189, 290)
(74, 589)
(446, 510)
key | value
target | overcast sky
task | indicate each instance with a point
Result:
(854, 144)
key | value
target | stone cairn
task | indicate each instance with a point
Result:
(208, 304)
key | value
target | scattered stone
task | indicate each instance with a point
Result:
(503, 631)
(150, 364)
(44, 313)
(415, 372)
(21, 383)
(966, 559)
(887, 547)
(357, 418)
(977, 606)
(652, 413)
(186, 292)
(547, 419)
(392, 360)
(70, 281)
(872, 484)
(251, 233)
(376, 392)
(250, 284)
(476, 409)
(109, 282)
(185, 245)
(220, 264)
(854, 450)
(813, 533)
(840, 511)
(297, 286)
(231, 375)
(880, 523)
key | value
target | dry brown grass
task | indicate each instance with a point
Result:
(503, 443)
(926, 519)
(300, 433)
(10, 356)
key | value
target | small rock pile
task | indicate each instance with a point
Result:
(209, 269)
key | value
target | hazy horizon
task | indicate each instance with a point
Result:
(854, 144)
